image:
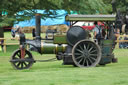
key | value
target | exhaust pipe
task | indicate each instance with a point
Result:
(38, 24)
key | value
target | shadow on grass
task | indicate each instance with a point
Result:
(57, 65)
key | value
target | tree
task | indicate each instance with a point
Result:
(26, 8)
(121, 5)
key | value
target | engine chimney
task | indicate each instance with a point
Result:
(38, 28)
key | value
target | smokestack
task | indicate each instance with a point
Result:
(38, 28)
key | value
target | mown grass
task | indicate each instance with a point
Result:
(54, 73)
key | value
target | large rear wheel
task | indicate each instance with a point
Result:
(86, 53)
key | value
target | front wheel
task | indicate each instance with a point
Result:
(86, 53)
(19, 63)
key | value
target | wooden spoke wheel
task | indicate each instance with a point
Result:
(19, 63)
(86, 53)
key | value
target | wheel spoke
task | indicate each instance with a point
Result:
(25, 64)
(18, 64)
(18, 54)
(88, 46)
(79, 50)
(78, 54)
(90, 49)
(87, 62)
(90, 60)
(93, 54)
(15, 62)
(79, 57)
(93, 51)
(85, 47)
(81, 47)
(22, 65)
(93, 58)
(80, 60)
(16, 58)
(84, 61)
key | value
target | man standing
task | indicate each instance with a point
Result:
(97, 31)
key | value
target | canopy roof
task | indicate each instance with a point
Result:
(90, 18)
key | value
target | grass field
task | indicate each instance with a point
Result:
(54, 73)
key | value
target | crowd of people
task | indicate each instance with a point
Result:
(100, 33)
(123, 44)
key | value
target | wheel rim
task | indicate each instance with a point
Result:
(86, 53)
(22, 64)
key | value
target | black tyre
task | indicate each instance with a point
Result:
(86, 53)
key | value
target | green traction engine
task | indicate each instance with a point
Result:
(74, 48)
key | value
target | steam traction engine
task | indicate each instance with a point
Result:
(74, 47)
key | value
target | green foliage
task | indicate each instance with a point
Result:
(121, 5)
(7, 21)
(12, 7)
(98, 6)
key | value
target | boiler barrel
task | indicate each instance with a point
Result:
(50, 48)
(75, 34)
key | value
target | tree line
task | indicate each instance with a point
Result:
(9, 8)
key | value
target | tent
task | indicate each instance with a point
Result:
(60, 19)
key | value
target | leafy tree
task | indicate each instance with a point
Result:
(26, 8)
(121, 5)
